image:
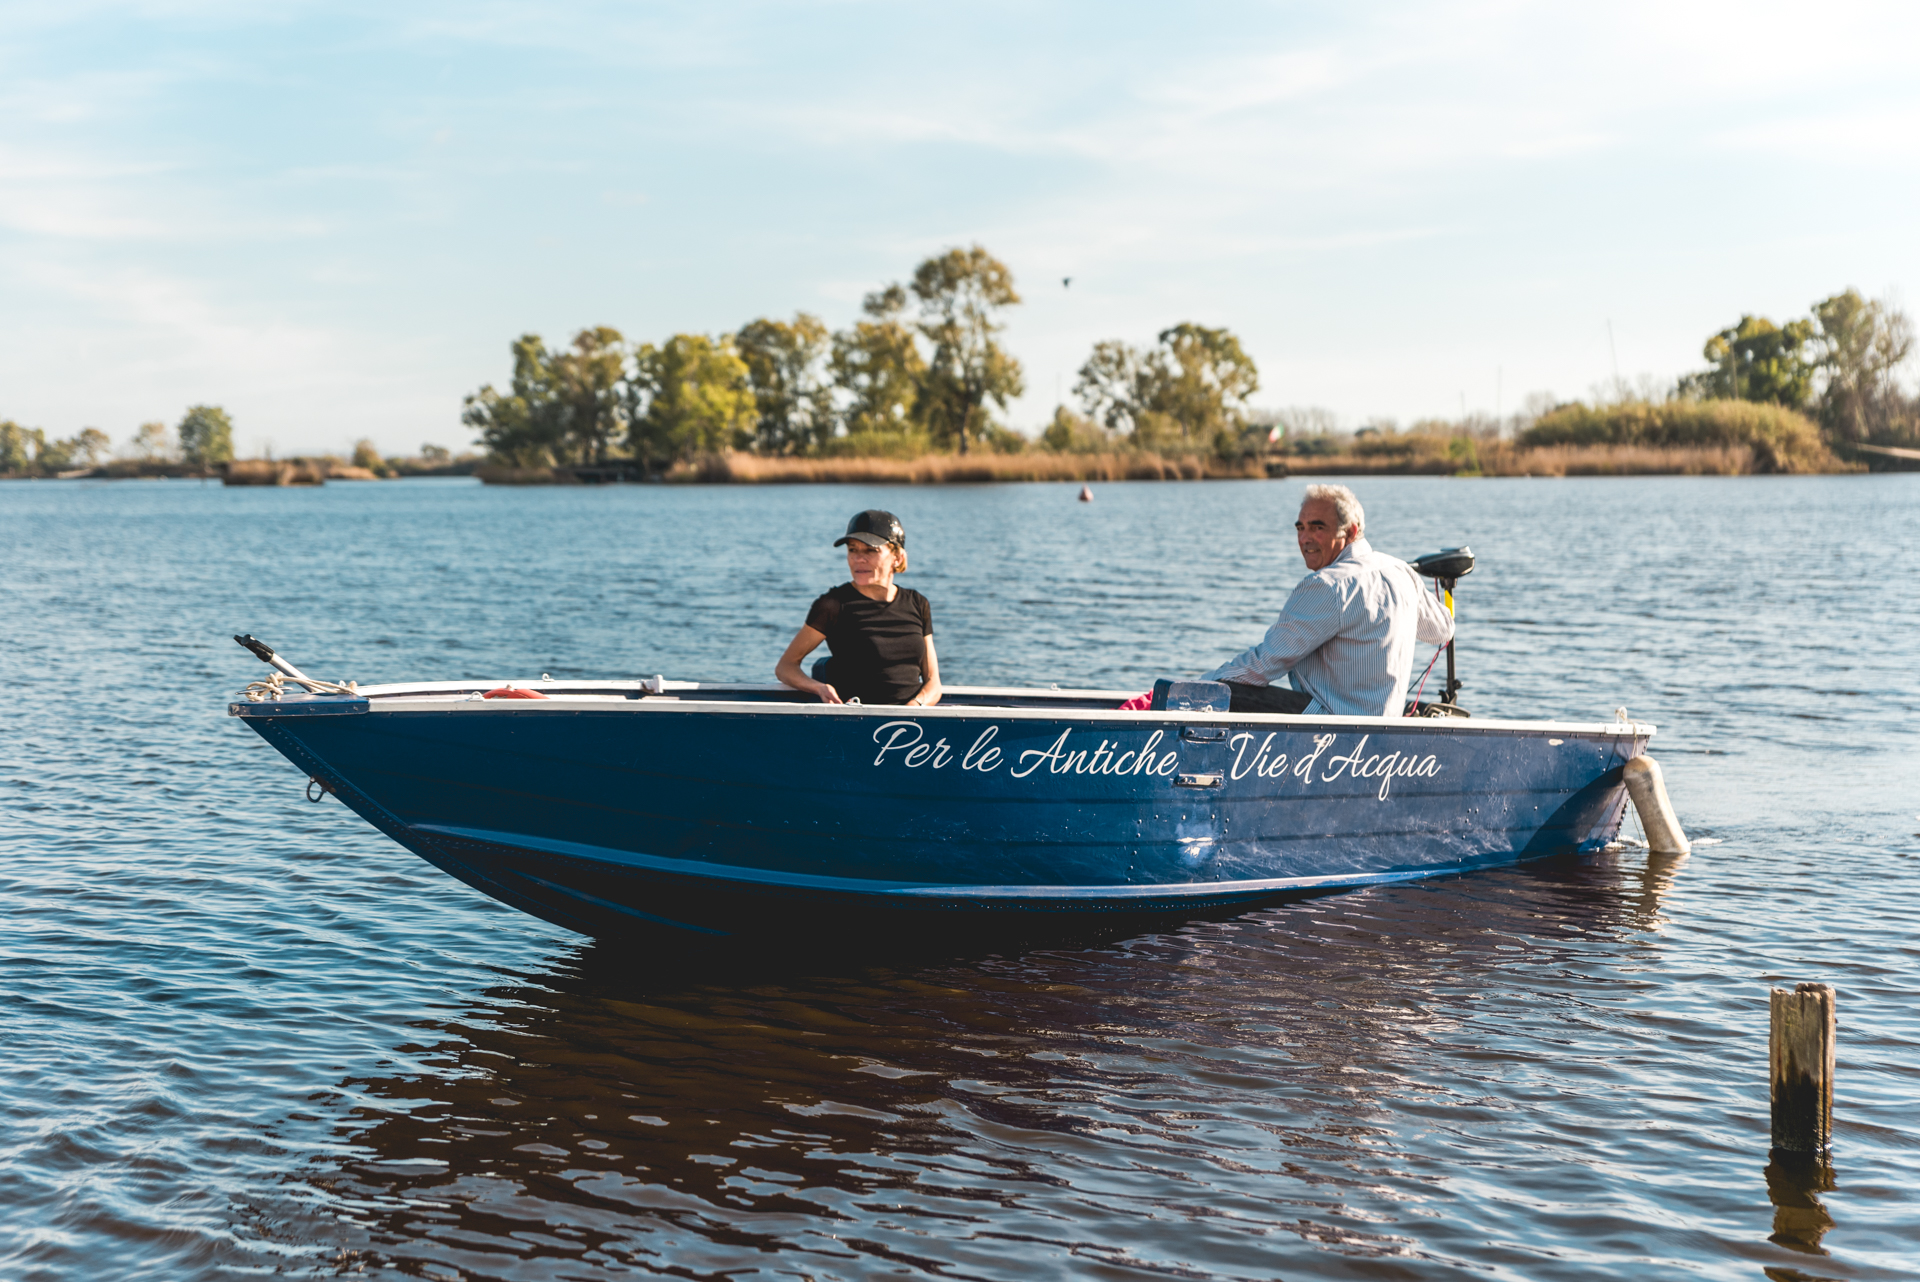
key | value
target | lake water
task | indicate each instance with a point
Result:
(246, 1035)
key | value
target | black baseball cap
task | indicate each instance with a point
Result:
(875, 529)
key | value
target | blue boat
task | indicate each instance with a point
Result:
(631, 808)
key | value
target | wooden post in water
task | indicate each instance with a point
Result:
(1800, 1057)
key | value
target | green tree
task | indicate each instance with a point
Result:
(787, 370)
(366, 455)
(90, 447)
(85, 448)
(1858, 349)
(878, 368)
(206, 435)
(687, 397)
(520, 426)
(562, 407)
(153, 444)
(19, 446)
(1112, 386)
(588, 391)
(1071, 433)
(1204, 380)
(57, 456)
(1757, 360)
(961, 295)
(1189, 391)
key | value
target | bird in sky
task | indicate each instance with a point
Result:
(1065, 281)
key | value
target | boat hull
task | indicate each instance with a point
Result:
(613, 816)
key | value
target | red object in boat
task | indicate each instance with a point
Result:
(1139, 703)
(508, 692)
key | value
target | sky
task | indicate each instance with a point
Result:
(332, 219)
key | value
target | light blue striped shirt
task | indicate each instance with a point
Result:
(1347, 636)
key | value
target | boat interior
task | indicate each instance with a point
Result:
(727, 692)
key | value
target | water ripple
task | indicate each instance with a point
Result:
(247, 1034)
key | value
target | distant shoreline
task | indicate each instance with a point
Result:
(1491, 458)
(315, 470)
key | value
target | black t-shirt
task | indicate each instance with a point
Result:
(876, 644)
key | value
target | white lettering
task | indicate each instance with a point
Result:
(1239, 744)
(1349, 763)
(1253, 755)
(1303, 770)
(898, 739)
(1145, 762)
(1039, 755)
(981, 750)
(1389, 766)
(1241, 765)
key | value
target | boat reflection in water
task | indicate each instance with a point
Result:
(1334, 1076)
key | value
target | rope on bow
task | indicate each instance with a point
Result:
(273, 687)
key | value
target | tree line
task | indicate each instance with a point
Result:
(201, 444)
(1840, 364)
(203, 437)
(922, 369)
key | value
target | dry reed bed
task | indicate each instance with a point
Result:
(1777, 439)
(947, 469)
(1625, 460)
(299, 471)
(1499, 458)
(1488, 458)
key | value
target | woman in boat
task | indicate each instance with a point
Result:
(880, 635)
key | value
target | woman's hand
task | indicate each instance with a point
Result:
(827, 693)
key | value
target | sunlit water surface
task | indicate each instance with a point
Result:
(245, 1035)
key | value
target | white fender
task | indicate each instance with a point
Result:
(1649, 792)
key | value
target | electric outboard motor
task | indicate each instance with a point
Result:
(1447, 568)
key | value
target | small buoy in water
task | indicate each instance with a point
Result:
(1086, 494)
(1649, 793)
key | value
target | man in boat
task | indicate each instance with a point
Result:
(1345, 640)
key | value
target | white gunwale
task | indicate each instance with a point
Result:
(684, 696)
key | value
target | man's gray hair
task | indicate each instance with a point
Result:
(1346, 508)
